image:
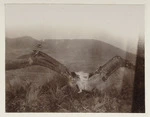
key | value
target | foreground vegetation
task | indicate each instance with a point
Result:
(39, 89)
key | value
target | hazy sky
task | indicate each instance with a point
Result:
(119, 25)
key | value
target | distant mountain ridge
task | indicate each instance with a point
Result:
(20, 42)
(69, 50)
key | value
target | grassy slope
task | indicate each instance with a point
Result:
(44, 92)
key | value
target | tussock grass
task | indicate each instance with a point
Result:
(31, 91)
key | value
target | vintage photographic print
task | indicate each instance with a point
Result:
(74, 58)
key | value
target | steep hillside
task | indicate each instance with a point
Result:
(28, 89)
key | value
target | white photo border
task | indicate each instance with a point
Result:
(113, 2)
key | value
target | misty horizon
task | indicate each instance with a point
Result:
(43, 40)
(118, 25)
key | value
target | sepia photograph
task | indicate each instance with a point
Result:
(75, 58)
